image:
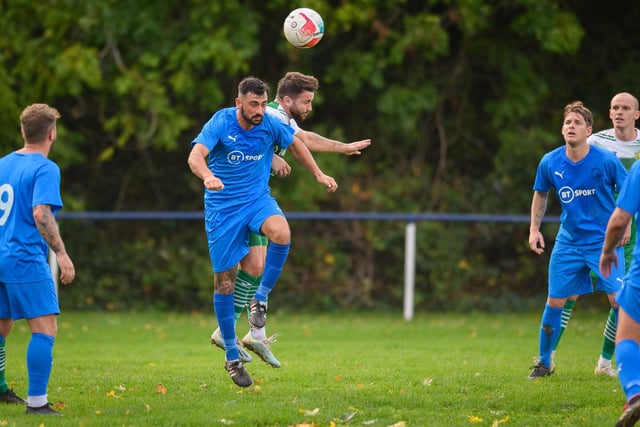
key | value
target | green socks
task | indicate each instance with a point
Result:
(246, 286)
(4, 387)
(566, 314)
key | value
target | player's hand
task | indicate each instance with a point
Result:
(536, 242)
(354, 148)
(213, 183)
(328, 182)
(280, 167)
(67, 270)
(606, 259)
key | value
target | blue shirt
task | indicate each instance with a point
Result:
(240, 158)
(586, 190)
(26, 180)
(629, 200)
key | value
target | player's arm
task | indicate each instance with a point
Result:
(198, 166)
(280, 167)
(316, 142)
(301, 153)
(618, 223)
(538, 209)
(626, 236)
(48, 228)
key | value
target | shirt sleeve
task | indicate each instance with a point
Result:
(210, 133)
(629, 199)
(284, 135)
(46, 187)
(542, 183)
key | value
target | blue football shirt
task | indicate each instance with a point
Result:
(586, 191)
(629, 200)
(240, 158)
(26, 180)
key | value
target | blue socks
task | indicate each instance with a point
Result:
(274, 262)
(549, 332)
(627, 358)
(39, 361)
(223, 308)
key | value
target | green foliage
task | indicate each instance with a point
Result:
(460, 98)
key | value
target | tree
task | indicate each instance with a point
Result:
(461, 98)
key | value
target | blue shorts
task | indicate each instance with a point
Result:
(228, 231)
(570, 268)
(629, 296)
(28, 300)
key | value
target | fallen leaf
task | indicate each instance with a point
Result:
(474, 419)
(161, 389)
(312, 413)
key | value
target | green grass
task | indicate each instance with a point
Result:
(377, 369)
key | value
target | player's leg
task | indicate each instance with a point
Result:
(39, 363)
(628, 358)
(6, 324)
(610, 286)
(252, 266)
(566, 315)
(549, 331)
(271, 223)
(604, 366)
(37, 302)
(223, 308)
(246, 284)
(568, 274)
(6, 394)
(228, 244)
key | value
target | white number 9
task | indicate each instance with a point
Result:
(6, 202)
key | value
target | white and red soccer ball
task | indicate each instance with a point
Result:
(303, 27)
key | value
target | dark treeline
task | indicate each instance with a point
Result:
(460, 98)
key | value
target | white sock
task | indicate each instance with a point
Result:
(259, 334)
(37, 401)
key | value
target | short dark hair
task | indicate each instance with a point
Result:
(252, 85)
(294, 83)
(579, 108)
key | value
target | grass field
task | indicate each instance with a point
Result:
(156, 369)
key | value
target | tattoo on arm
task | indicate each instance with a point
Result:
(48, 228)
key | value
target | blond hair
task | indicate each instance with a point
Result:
(36, 121)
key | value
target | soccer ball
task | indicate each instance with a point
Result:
(303, 27)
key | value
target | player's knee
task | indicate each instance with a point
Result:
(281, 236)
(277, 230)
(253, 268)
